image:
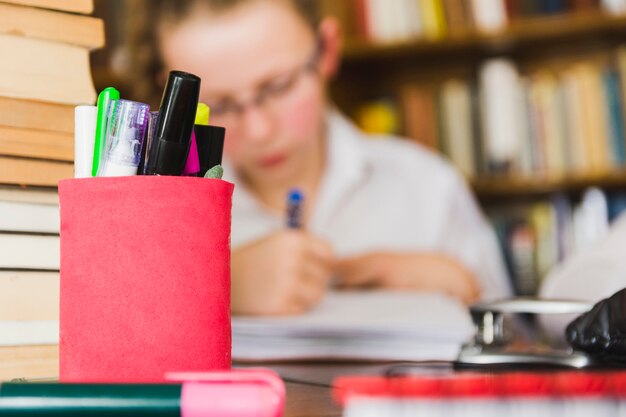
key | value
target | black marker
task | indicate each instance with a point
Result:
(210, 142)
(170, 146)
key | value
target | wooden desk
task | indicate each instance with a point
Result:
(309, 385)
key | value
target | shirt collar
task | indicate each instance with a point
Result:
(346, 167)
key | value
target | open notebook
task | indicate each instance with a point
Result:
(368, 325)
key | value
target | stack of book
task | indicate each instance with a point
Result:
(44, 74)
(29, 283)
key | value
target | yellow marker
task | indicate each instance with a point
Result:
(202, 114)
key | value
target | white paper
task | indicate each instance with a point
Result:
(372, 325)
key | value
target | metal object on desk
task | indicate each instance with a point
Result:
(491, 341)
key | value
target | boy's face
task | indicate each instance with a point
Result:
(255, 64)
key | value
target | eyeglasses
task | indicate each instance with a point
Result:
(229, 109)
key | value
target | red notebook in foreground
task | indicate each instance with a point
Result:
(145, 277)
(559, 394)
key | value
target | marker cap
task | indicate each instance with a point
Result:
(145, 149)
(84, 137)
(202, 114)
(125, 135)
(105, 99)
(177, 113)
(210, 142)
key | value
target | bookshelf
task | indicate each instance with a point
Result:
(534, 210)
(379, 69)
(496, 188)
(521, 34)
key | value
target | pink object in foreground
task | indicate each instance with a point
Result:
(240, 393)
(145, 277)
(192, 166)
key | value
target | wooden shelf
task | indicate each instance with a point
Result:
(503, 187)
(521, 33)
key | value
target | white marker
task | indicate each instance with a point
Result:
(84, 138)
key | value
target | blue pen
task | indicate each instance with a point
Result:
(295, 199)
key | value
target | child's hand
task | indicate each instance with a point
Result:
(285, 273)
(411, 271)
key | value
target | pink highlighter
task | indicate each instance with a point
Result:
(242, 393)
(192, 166)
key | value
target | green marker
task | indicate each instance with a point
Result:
(106, 96)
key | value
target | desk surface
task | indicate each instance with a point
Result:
(309, 385)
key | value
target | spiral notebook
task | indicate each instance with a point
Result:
(365, 325)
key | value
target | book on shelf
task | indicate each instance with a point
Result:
(419, 112)
(457, 125)
(544, 123)
(458, 16)
(74, 6)
(499, 111)
(385, 20)
(51, 25)
(524, 9)
(489, 15)
(584, 5)
(433, 18)
(614, 6)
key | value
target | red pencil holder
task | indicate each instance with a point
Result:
(145, 277)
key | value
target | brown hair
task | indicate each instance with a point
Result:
(144, 63)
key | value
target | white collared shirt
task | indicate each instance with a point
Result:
(386, 195)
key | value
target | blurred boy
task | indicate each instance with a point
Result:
(379, 214)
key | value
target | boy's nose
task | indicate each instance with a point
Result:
(257, 124)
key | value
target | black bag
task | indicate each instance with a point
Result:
(601, 332)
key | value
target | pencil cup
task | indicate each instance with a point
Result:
(145, 277)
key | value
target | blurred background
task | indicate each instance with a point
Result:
(526, 97)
